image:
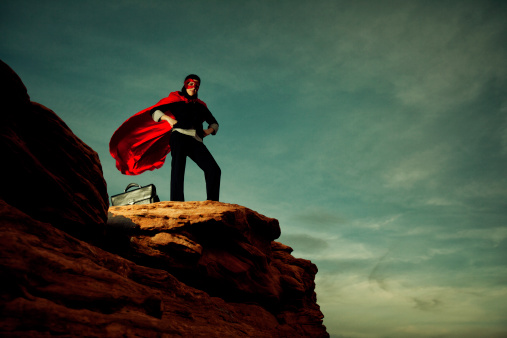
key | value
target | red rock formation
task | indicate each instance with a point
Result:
(228, 251)
(47, 171)
(200, 269)
(59, 285)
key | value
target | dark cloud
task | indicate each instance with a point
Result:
(427, 304)
(302, 243)
(380, 272)
(318, 217)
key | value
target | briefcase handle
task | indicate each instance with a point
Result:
(131, 185)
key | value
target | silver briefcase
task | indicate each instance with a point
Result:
(141, 195)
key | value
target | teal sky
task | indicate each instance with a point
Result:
(374, 131)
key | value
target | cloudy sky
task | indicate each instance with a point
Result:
(375, 131)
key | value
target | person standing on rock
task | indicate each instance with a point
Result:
(173, 125)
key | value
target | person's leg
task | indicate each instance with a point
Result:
(178, 163)
(203, 158)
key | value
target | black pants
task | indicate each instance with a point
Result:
(182, 146)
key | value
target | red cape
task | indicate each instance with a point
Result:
(140, 143)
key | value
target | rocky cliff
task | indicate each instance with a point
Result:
(46, 170)
(74, 267)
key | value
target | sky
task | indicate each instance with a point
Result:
(374, 131)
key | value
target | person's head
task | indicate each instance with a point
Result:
(191, 85)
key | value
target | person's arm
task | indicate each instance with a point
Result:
(212, 124)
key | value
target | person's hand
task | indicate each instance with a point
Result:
(208, 131)
(170, 120)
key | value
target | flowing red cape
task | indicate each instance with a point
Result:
(140, 143)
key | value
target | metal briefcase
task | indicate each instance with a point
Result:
(142, 195)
